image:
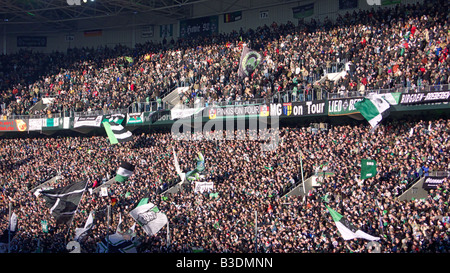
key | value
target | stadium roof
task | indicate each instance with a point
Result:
(58, 15)
(68, 15)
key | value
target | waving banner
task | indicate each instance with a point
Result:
(249, 61)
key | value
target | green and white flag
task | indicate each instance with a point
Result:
(44, 225)
(116, 118)
(200, 162)
(124, 172)
(117, 133)
(50, 122)
(195, 174)
(149, 217)
(373, 108)
(368, 168)
(347, 230)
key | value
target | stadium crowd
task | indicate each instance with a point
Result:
(246, 180)
(403, 46)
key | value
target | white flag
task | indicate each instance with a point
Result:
(177, 166)
(347, 230)
(373, 108)
(80, 232)
(149, 217)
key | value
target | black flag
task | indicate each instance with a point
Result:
(249, 61)
(63, 202)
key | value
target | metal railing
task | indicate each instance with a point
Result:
(151, 106)
(284, 96)
(238, 102)
(335, 67)
(100, 112)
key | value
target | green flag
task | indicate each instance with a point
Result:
(200, 162)
(368, 168)
(373, 108)
(214, 195)
(129, 59)
(117, 133)
(325, 198)
(44, 225)
(346, 229)
(143, 202)
(195, 173)
(124, 172)
(216, 224)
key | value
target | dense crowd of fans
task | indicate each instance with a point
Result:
(247, 179)
(402, 46)
(405, 46)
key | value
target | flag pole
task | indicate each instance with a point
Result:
(168, 236)
(9, 228)
(301, 168)
(256, 231)
(107, 227)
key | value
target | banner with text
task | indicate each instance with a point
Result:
(424, 97)
(13, 125)
(234, 111)
(297, 109)
(89, 121)
(337, 107)
(203, 26)
(433, 182)
(203, 186)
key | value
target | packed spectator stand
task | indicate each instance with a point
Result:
(404, 47)
(246, 179)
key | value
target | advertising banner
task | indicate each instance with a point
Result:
(297, 109)
(234, 111)
(303, 11)
(89, 121)
(203, 26)
(31, 41)
(185, 113)
(424, 97)
(51, 122)
(13, 125)
(346, 106)
(157, 116)
(432, 182)
(135, 118)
